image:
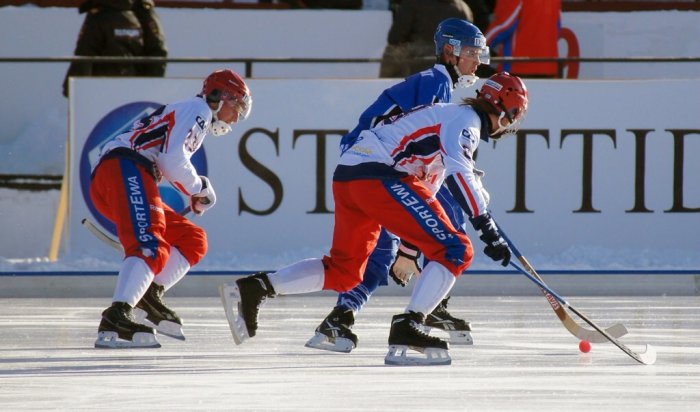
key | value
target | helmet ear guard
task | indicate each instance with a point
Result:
(214, 96)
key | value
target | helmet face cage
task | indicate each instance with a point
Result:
(460, 33)
(508, 95)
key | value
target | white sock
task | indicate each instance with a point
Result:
(134, 279)
(301, 277)
(434, 283)
(175, 269)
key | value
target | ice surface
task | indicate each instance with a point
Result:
(522, 360)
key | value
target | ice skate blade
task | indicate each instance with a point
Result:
(165, 327)
(321, 341)
(231, 300)
(399, 355)
(170, 329)
(460, 337)
(456, 337)
(111, 340)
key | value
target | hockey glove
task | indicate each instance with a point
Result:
(496, 247)
(205, 199)
(405, 264)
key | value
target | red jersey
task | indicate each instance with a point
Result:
(526, 28)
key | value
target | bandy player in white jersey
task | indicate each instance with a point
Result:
(160, 245)
(387, 179)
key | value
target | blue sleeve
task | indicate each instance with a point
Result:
(427, 87)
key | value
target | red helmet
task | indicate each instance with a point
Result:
(229, 90)
(507, 94)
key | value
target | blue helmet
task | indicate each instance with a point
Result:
(460, 33)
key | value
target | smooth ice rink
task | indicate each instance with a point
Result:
(523, 359)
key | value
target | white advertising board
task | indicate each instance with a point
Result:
(603, 174)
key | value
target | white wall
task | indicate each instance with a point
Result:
(637, 34)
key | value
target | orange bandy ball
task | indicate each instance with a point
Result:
(584, 346)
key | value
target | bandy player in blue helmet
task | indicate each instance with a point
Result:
(159, 244)
(388, 179)
(459, 49)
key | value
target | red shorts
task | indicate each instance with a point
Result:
(127, 194)
(404, 207)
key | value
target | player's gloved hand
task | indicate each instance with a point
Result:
(205, 199)
(496, 247)
(405, 264)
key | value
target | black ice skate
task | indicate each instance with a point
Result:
(334, 332)
(459, 329)
(152, 311)
(118, 330)
(406, 333)
(242, 300)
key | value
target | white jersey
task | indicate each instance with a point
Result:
(168, 138)
(432, 143)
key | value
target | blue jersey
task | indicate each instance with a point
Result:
(429, 86)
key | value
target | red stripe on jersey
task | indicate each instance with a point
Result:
(424, 160)
(152, 143)
(169, 119)
(429, 130)
(180, 188)
(171, 125)
(470, 196)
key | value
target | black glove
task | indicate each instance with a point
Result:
(405, 264)
(496, 247)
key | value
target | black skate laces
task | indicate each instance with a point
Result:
(415, 320)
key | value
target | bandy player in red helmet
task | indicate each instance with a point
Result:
(388, 178)
(160, 245)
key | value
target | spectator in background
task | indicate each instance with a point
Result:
(410, 47)
(523, 28)
(482, 10)
(153, 37)
(113, 28)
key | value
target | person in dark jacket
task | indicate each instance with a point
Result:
(410, 47)
(153, 37)
(112, 28)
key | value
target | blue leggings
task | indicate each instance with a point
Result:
(377, 272)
